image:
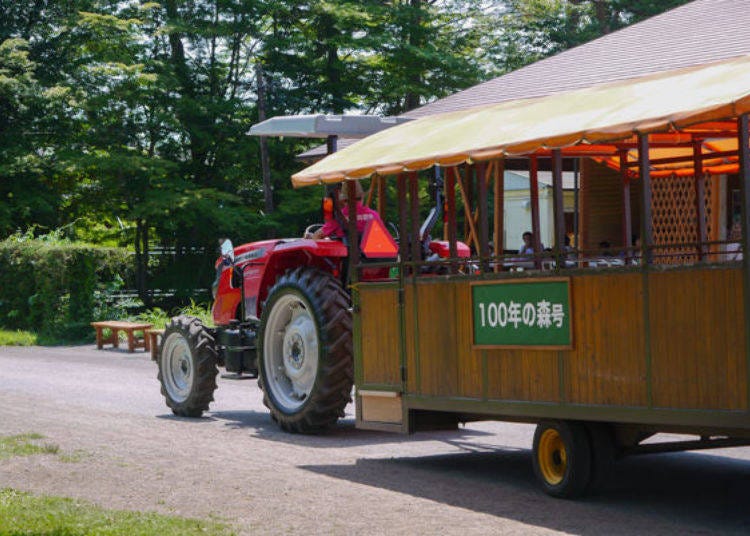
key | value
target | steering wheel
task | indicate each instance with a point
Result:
(394, 231)
(310, 229)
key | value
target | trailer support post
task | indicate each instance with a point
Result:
(402, 220)
(483, 223)
(535, 227)
(351, 202)
(416, 245)
(381, 195)
(450, 202)
(559, 209)
(499, 213)
(627, 216)
(644, 167)
(700, 198)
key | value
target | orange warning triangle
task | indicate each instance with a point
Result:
(377, 242)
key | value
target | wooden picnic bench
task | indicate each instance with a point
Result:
(153, 336)
(115, 326)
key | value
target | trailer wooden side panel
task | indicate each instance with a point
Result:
(669, 339)
(436, 335)
(697, 334)
(470, 383)
(527, 375)
(411, 340)
(381, 347)
(444, 364)
(607, 365)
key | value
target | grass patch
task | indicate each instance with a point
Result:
(74, 457)
(25, 445)
(23, 513)
(17, 338)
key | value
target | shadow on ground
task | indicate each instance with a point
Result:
(657, 494)
(342, 435)
(681, 493)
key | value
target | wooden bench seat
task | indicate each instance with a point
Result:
(154, 340)
(115, 326)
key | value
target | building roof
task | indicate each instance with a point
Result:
(518, 182)
(545, 178)
(701, 32)
(697, 33)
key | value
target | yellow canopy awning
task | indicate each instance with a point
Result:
(599, 115)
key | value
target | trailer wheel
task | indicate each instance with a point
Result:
(603, 453)
(562, 458)
(305, 346)
(187, 366)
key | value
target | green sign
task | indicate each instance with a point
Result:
(522, 313)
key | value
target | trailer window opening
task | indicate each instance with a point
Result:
(471, 219)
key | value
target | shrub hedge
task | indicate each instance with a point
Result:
(57, 288)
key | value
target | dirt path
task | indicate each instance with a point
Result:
(105, 408)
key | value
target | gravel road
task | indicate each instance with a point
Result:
(234, 465)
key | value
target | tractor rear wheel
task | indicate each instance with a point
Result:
(305, 350)
(187, 366)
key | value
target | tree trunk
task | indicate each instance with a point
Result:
(264, 161)
(141, 262)
(411, 99)
(602, 16)
(189, 116)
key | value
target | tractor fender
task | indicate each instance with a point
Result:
(326, 255)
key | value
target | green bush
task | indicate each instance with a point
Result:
(160, 318)
(56, 287)
(17, 338)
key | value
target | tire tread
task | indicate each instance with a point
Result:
(332, 389)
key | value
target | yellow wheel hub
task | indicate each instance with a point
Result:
(552, 457)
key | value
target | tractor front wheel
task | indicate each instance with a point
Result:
(305, 349)
(187, 366)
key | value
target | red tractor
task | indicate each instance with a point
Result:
(283, 314)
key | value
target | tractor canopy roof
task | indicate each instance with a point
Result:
(677, 107)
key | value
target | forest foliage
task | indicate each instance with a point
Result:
(124, 121)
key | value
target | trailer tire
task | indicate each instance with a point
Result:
(603, 453)
(187, 366)
(305, 351)
(562, 458)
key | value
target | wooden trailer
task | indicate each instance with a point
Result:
(601, 348)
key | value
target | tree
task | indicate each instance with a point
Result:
(423, 50)
(134, 113)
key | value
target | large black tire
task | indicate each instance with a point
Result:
(604, 453)
(562, 458)
(187, 366)
(305, 351)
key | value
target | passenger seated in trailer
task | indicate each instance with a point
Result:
(606, 258)
(734, 248)
(527, 248)
(635, 256)
(568, 248)
(569, 254)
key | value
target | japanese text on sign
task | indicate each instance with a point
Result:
(522, 313)
(542, 314)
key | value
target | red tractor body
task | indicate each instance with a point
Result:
(260, 264)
